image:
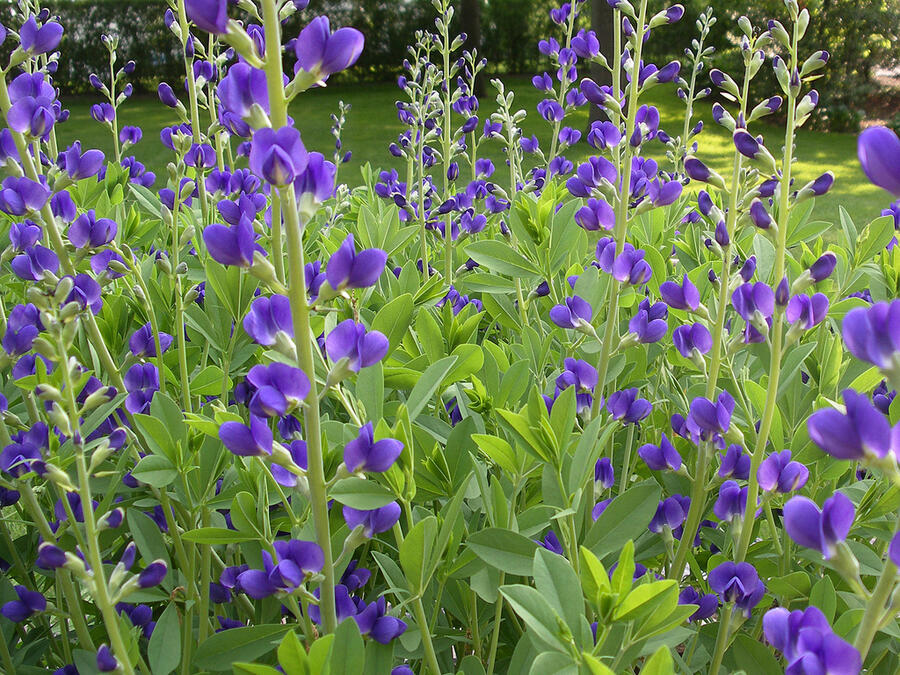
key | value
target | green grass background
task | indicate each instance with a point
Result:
(372, 125)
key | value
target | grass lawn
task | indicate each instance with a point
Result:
(372, 124)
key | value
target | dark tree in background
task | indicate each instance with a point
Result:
(470, 22)
(602, 24)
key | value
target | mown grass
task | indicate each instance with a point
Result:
(372, 125)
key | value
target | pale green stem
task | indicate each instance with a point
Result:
(722, 638)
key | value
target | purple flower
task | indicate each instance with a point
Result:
(684, 296)
(671, 512)
(373, 621)
(738, 583)
(778, 473)
(575, 313)
(41, 40)
(808, 643)
(582, 376)
(79, 165)
(27, 447)
(599, 508)
(89, 232)
(351, 341)
(629, 267)
(50, 557)
(872, 334)
(707, 604)
(660, 457)
(141, 382)
(23, 235)
(201, 156)
(894, 549)
(862, 432)
(86, 292)
(267, 317)
(22, 327)
(551, 543)
(321, 52)
(731, 502)
(597, 214)
(706, 419)
(208, 15)
(823, 267)
(153, 574)
(278, 157)
(106, 662)
(315, 184)
(349, 269)
(603, 473)
(364, 453)
(604, 135)
(232, 246)
(626, 406)
(280, 389)
(649, 324)
(296, 560)
(375, 521)
(142, 343)
(688, 338)
(748, 299)
(734, 462)
(18, 196)
(806, 311)
(28, 604)
(820, 529)
(103, 113)
(241, 88)
(34, 263)
(130, 135)
(879, 155)
(247, 441)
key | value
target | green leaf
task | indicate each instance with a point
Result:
(155, 470)
(557, 582)
(359, 493)
(874, 238)
(415, 554)
(209, 381)
(147, 536)
(505, 550)
(537, 614)
(596, 666)
(427, 385)
(660, 663)
(164, 649)
(624, 519)
(350, 656)
(498, 451)
(253, 669)
(657, 596)
(752, 656)
(247, 643)
(786, 588)
(214, 536)
(292, 656)
(393, 319)
(824, 597)
(498, 256)
(623, 575)
(594, 578)
(157, 435)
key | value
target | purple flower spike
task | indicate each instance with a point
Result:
(748, 299)
(41, 40)
(576, 313)
(141, 382)
(253, 441)
(820, 529)
(351, 341)
(208, 15)
(267, 317)
(689, 338)
(731, 502)
(348, 269)
(79, 165)
(734, 462)
(142, 344)
(671, 512)
(879, 155)
(808, 643)
(863, 432)
(872, 334)
(321, 52)
(778, 473)
(28, 604)
(662, 457)
(630, 267)
(22, 327)
(375, 521)
(34, 263)
(626, 406)
(278, 157)
(805, 311)
(684, 296)
(280, 388)
(18, 196)
(738, 583)
(364, 453)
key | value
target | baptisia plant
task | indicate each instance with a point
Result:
(621, 404)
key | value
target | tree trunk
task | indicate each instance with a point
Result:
(470, 21)
(602, 25)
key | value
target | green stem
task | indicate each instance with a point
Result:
(695, 513)
(446, 148)
(875, 609)
(722, 639)
(626, 462)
